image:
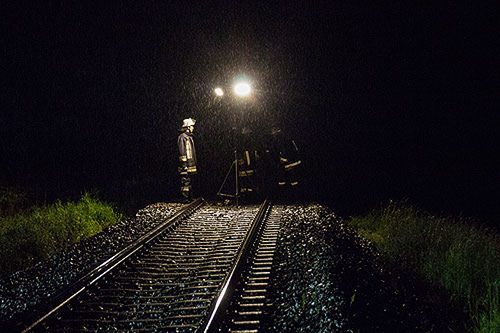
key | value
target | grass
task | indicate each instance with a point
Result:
(37, 233)
(454, 254)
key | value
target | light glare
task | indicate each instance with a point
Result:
(242, 89)
(219, 92)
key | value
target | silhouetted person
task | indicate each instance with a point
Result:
(283, 164)
(247, 162)
(187, 158)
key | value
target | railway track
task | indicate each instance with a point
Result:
(194, 273)
(250, 304)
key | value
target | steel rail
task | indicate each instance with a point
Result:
(251, 303)
(217, 308)
(103, 269)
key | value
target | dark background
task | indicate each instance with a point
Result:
(386, 101)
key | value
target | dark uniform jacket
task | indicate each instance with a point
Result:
(187, 152)
(289, 160)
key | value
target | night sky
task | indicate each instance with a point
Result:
(386, 101)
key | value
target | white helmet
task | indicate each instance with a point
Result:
(188, 122)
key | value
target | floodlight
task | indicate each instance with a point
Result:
(219, 91)
(242, 89)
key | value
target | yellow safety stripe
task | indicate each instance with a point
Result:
(282, 159)
(246, 173)
(191, 169)
(189, 152)
(294, 183)
(185, 188)
(183, 158)
(291, 165)
(247, 156)
(281, 183)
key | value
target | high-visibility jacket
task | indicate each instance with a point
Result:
(187, 152)
(247, 171)
(289, 165)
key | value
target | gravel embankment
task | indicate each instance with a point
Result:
(24, 290)
(336, 283)
(335, 280)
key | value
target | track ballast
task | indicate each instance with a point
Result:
(169, 284)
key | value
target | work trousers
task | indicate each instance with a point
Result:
(186, 186)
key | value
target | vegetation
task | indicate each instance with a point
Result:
(39, 232)
(454, 254)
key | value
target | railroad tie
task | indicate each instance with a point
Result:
(250, 312)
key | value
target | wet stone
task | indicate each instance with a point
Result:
(25, 290)
(337, 283)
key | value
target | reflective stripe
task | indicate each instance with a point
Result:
(191, 169)
(281, 183)
(189, 151)
(246, 173)
(294, 183)
(247, 156)
(183, 158)
(282, 159)
(185, 188)
(291, 165)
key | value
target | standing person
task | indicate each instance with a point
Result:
(284, 164)
(247, 161)
(187, 158)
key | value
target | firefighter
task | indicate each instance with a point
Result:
(187, 158)
(289, 164)
(247, 161)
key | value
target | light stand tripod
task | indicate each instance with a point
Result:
(236, 194)
(241, 88)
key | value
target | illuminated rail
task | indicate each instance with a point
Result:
(177, 277)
